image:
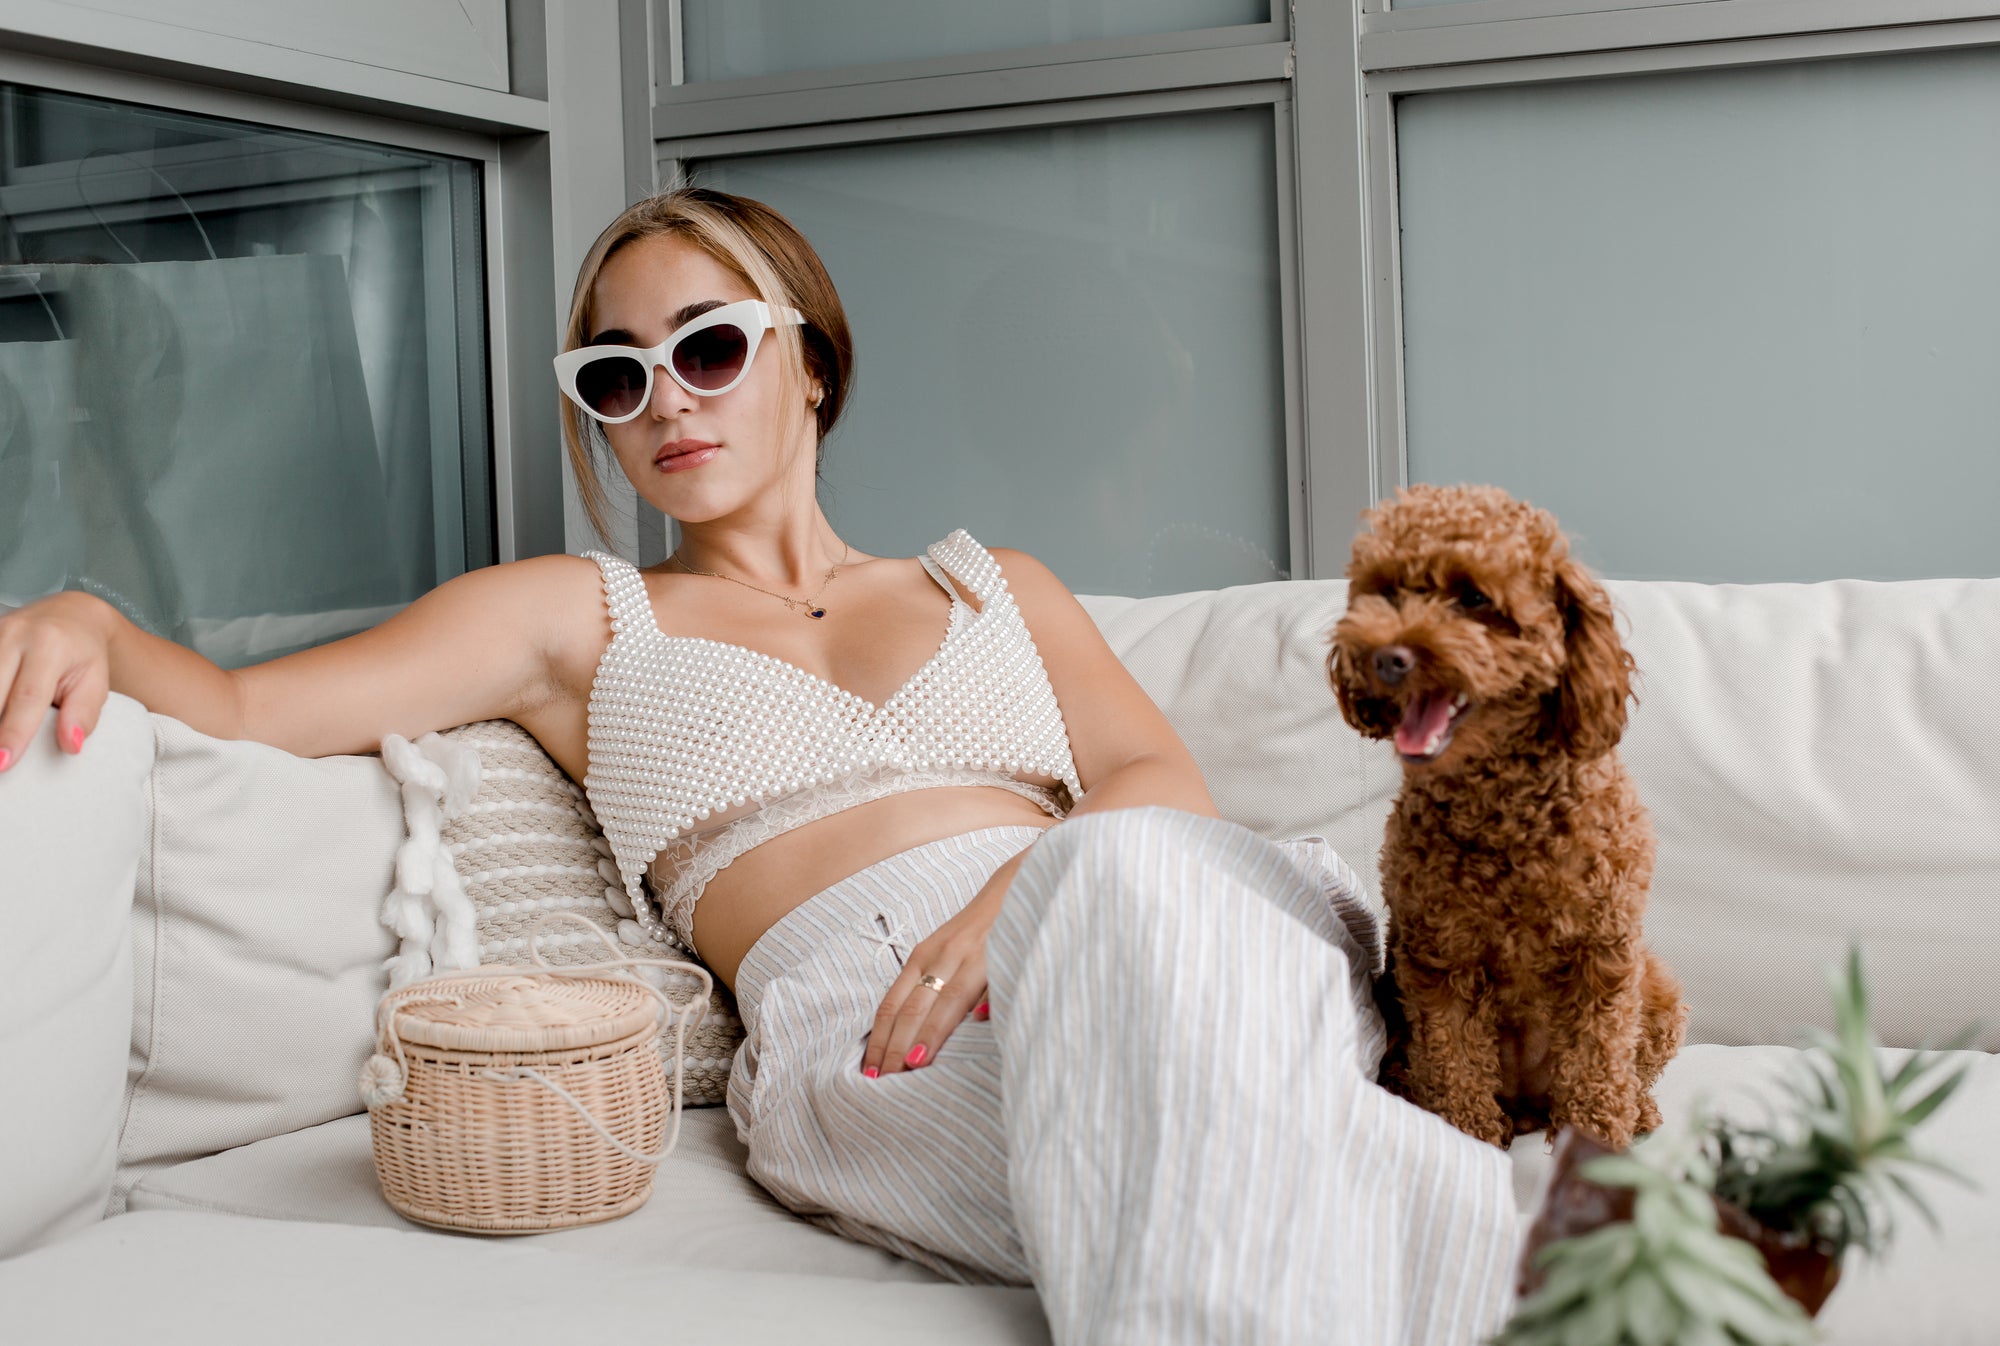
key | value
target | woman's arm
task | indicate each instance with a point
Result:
(1127, 756)
(482, 645)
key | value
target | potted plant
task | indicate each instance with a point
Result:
(1828, 1177)
(1666, 1275)
(1627, 1247)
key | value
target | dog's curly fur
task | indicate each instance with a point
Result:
(1517, 857)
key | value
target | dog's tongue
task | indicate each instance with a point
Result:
(1423, 719)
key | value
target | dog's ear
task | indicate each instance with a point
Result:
(1347, 690)
(1589, 709)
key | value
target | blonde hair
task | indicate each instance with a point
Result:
(769, 254)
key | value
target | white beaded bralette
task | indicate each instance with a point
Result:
(701, 750)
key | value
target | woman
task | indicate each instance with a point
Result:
(1168, 1122)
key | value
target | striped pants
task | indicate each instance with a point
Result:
(1169, 1126)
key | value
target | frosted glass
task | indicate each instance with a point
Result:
(1067, 340)
(731, 39)
(1736, 325)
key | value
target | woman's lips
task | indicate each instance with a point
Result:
(683, 454)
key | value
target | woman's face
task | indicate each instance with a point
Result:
(697, 458)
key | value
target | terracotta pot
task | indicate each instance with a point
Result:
(1804, 1268)
(1806, 1271)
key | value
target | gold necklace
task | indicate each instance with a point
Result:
(811, 605)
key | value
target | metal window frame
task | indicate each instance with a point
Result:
(675, 91)
(1513, 43)
(507, 180)
(1506, 30)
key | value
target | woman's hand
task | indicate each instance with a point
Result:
(55, 652)
(915, 1019)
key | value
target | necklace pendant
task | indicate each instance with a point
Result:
(816, 612)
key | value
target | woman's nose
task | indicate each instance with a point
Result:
(669, 398)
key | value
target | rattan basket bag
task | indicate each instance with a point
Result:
(509, 1100)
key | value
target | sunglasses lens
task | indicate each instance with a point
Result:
(711, 358)
(612, 386)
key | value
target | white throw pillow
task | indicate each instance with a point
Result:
(527, 844)
(70, 830)
(259, 952)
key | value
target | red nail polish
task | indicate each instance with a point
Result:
(76, 738)
(917, 1055)
(5, 758)
(871, 1071)
(983, 1009)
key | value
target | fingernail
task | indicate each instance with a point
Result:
(871, 1071)
(917, 1055)
(76, 738)
(5, 758)
(983, 1010)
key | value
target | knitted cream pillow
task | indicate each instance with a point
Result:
(525, 843)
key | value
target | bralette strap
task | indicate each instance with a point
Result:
(624, 593)
(970, 564)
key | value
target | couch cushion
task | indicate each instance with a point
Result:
(258, 948)
(181, 1278)
(1819, 767)
(325, 1175)
(70, 829)
(704, 1211)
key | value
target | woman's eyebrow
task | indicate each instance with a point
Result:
(693, 311)
(618, 336)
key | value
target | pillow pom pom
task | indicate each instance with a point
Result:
(381, 1081)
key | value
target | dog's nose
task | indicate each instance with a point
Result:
(1394, 662)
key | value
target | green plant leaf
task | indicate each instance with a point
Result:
(1618, 1170)
(1916, 1200)
(1930, 1102)
(1687, 1286)
(1595, 1323)
(1768, 1319)
(1651, 1318)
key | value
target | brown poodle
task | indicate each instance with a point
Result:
(1517, 857)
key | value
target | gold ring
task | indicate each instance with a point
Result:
(934, 983)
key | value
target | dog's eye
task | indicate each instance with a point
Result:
(1471, 599)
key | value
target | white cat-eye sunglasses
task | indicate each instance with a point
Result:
(707, 356)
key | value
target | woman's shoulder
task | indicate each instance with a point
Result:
(1034, 586)
(960, 542)
(556, 576)
(556, 599)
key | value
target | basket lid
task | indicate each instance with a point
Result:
(504, 1010)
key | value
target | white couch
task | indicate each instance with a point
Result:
(192, 953)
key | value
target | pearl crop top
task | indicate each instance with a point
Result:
(701, 750)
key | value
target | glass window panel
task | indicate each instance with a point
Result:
(1067, 340)
(732, 39)
(242, 373)
(1735, 325)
